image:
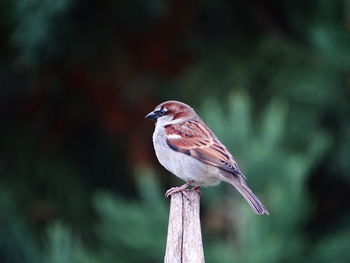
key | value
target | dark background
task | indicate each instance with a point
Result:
(79, 181)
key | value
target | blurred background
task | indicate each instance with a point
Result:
(79, 181)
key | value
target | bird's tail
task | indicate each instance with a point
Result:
(248, 195)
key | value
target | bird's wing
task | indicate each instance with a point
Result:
(193, 138)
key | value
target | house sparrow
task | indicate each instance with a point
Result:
(185, 146)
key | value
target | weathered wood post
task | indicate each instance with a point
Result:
(184, 241)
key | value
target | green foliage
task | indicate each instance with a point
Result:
(128, 229)
(17, 242)
(125, 230)
(333, 247)
(34, 23)
(60, 244)
(277, 172)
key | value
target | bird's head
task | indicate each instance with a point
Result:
(171, 112)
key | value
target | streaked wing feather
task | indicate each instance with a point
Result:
(199, 142)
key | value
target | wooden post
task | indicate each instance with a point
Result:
(184, 242)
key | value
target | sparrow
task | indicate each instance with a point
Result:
(186, 147)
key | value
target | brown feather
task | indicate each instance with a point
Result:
(199, 142)
(242, 187)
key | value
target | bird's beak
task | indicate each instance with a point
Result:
(152, 115)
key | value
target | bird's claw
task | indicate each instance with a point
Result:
(183, 189)
(197, 189)
(175, 190)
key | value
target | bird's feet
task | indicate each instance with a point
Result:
(181, 189)
(197, 189)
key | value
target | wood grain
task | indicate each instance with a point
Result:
(184, 241)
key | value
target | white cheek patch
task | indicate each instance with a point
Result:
(164, 120)
(174, 136)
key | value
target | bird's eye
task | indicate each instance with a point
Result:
(161, 112)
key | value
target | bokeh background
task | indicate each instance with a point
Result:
(79, 181)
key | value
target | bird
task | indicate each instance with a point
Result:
(185, 146)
